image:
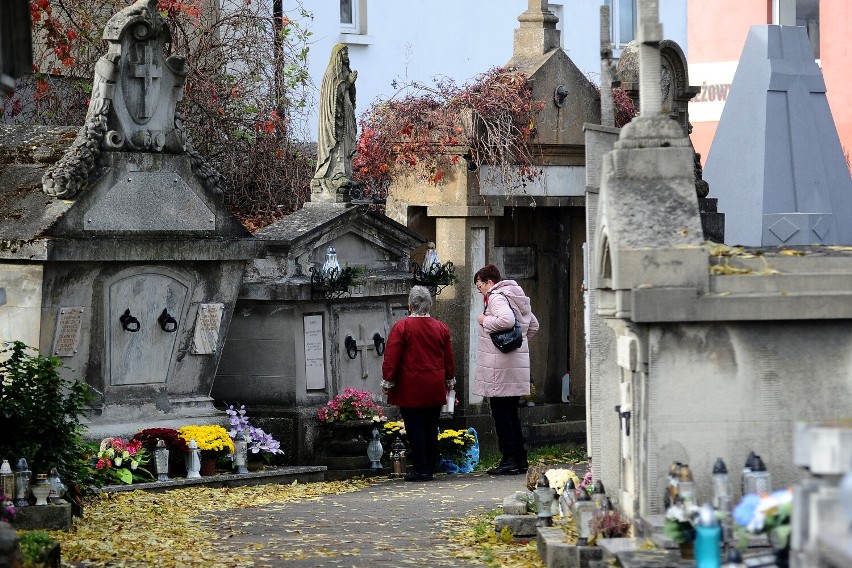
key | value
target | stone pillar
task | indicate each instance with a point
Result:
(607, 105)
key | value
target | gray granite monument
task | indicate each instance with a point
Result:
(776, 163)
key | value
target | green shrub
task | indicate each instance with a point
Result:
(40, 414)
(33, 543)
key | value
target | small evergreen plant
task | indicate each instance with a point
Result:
(40, 413)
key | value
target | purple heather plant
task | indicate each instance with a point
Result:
(7, 509)
(258, 440)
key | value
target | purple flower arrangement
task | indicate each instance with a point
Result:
(258, 440)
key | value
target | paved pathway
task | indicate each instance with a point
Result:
(391, 523)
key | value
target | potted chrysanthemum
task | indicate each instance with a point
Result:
(213, 441)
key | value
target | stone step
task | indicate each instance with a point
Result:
(563, 432)
(281, 475)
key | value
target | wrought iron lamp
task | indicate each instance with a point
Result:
(397, 458)
(240, 452)
(161, 461)
(375, 450)
(22, 483)
(331, 281)
(432, 274)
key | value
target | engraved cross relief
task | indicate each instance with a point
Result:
(356, 347)
(148, 72)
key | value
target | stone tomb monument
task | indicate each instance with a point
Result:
(293, 345)
(776, 163)
(703, 361)
(122, 260)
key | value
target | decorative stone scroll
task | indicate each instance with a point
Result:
(207, 322)
(67, 334)
(133, 105)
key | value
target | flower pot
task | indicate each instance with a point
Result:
(687, 550)
(254, 465)
(208, 466)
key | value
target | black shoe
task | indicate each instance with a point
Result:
(523, 464)
(415, 476)
(507, 466)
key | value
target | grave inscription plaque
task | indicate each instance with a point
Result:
(67, 335)
(314, 352)
(207, 322)
(518, 262)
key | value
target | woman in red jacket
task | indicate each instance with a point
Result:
(418, 372)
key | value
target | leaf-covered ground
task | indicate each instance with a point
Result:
(254, 526)
(170, 529)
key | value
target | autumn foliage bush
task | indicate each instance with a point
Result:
(430, 128)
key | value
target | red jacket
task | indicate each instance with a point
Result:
(418, 359)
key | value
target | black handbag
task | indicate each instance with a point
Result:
(508, 339)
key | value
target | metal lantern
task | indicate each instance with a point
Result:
(397, 458)
(375, 450)
(193, 461)
(431, 257)
(240, 452)
(544, 496)
(583, 513)
(161, 461)
(22, 483)
(7, 480)
(57, 488)
(758, 479)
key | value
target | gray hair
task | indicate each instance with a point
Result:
(420, 300)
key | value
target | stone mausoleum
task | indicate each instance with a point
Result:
(117, 254)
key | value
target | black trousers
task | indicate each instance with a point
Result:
(507, 425)
(421, 428)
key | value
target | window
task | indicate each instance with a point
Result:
(622, 17)
(803, 13)
(349, 16)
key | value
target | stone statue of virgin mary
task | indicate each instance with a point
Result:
(337, 129)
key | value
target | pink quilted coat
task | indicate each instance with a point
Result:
(497, 373)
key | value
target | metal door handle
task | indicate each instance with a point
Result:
(167, 322)
(128, 322)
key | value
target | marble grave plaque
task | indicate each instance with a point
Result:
(207, 322)
(314, 352)
(67, 334)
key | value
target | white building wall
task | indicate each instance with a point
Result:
(416, 40)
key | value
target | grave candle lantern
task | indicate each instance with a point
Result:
(544, 496)
(583, 513)
(397, 457)
(240, 452)
(7, 480)
(22, 483)
(721, 486)
(193, 461)
(161, 461)
(375, 450)
(57, 488)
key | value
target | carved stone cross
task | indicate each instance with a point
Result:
(360, 345)
(148, 72)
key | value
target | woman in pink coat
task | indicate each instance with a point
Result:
(504, 377)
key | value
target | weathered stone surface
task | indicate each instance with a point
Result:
(520, 525)
(10, 550)
(515, 504)
(50, 517)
